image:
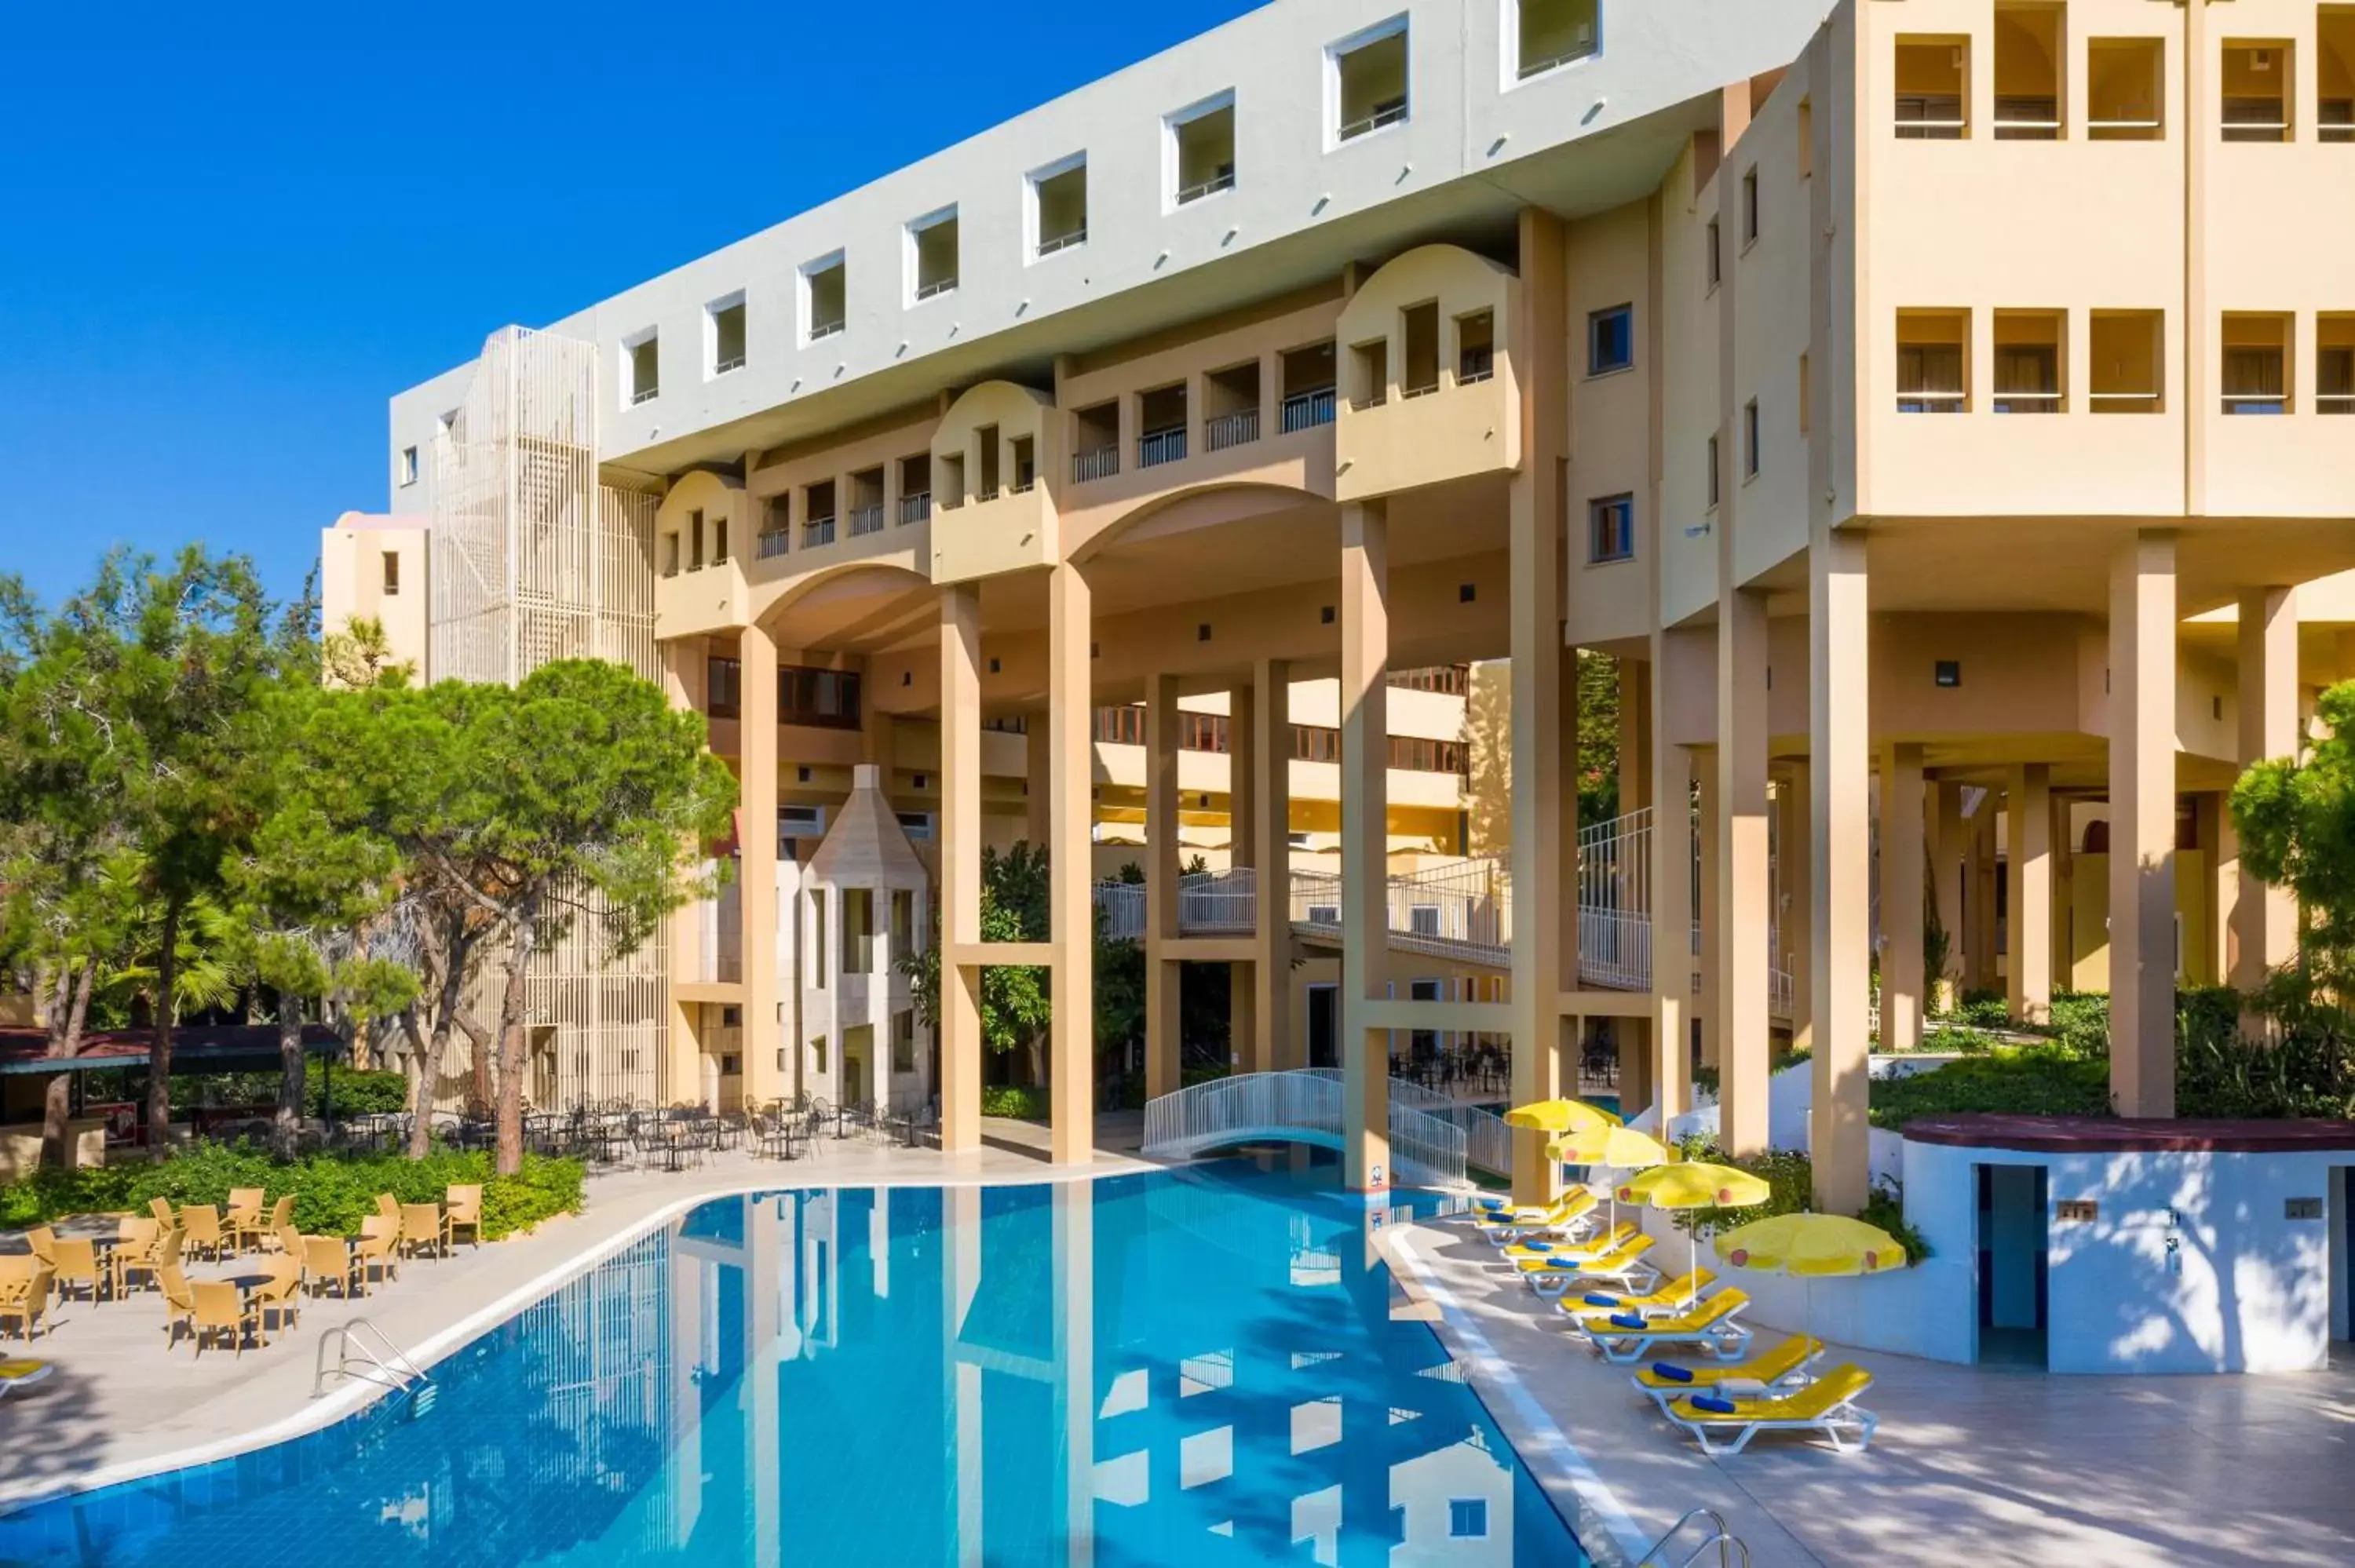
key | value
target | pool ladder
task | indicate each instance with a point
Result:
(1705, 1528)
(376, 1360)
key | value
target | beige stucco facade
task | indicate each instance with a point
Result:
(1879, 396)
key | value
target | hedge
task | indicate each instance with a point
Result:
(1790, 1179)
(1020, 1102)
(333, 1192)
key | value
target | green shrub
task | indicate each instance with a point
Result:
(332, 1192)
(1021, 1102)
(1984, 1010)
(1791, 1185)
(2034, 1080)
(1947, 1040)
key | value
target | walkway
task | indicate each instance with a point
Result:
(119, 1406)
(1972, 1467)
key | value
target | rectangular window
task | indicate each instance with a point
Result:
(825, 299)
(1198, 149)
(2029, 348)
(1713, 257)
(1058, 205)
(1121, 726)
(820, 699)
(1309, 384)
(1201, 732)
(722, 690)
(408, 465)
(1932, 89)
(1372, 363)
(916, 488)
(1095, 447)
(1713, 472)
(817, 514)
(903, 1040)
(1419, 374)
(2028, 54)
(2334, 107)
(2257, 362)
(1548, 34)
(1610, 340)
(1447, 679)
(695, 541)
(723, 326)
(776, 533)
(1230, 417)
(1750, 456)
(932, 255)
(391, 575)
(2334, 364)
(2128, 350)
(1314, 743)
(1467, 1518)
(858, 931)
(2126, 89)
(1930, 361)
(1475, 347)
(1413, 754)
(867, 502)
(1366, 80)
(1611, 529)
(641, 369)
(1750, 208)
(670, 554)
(917, 825)
(2258, 104)
(903, 909)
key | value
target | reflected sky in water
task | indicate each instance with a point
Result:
(1179, 1369)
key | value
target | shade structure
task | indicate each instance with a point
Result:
(1621, 1148)
(1561, 1116)
(1818, 1245)
(1693, 1184)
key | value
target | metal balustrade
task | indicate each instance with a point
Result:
(1487, 1141)
(1302, 1106)
(1307, 410)
(1222, 902)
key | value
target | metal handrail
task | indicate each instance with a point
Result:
(1307, 410)
(1231, 430)
(867, 519)
(1224, 181)
(1101, 463)
(1730, 1548)
(916, 508)
(1156, 447)
(771, 543)
(1487, 1141)
(1248, 1107)
(1063, 242)
(931, 291)
(390, 1368)
(1387, 114)
(827, 329)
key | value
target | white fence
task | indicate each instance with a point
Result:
(1487, 1141)
(1300, 1105)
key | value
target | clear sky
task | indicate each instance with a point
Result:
(229, 233)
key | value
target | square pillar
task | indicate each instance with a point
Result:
(1902, 988)
(1162, 861)
(2063, 965)
(1840, 837)
(1635, 735)
(1242, 845)
(1740, 981)
(1709, 989)
(756, 845)
(1071, 793)
(1034, 783)
(960, 889)
(1365, 843)
(1270, 783)
(1670, 875)
(2142, 826)
(1797, 861)
(1982, 879)
(1636, 1060)
(2264, 917)
(1948, 839)
(2028, 895)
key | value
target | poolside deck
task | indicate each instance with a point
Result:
(1973, 1465)
(120, 1406)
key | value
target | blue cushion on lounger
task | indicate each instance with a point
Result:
(1627, 1320)
(1602, 1301)
(1711, 1403)
(1672, 1372)
(1565, 1266)
(1538, 1246)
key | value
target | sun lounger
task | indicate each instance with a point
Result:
(1825, 1407)
(22, 1374)
(1712, 1325)
(1573, 1208)
(1776, 1371)
(1664, 1299)
(1542, 1253)
(1624, 1266)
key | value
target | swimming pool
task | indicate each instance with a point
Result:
(1196, 1367)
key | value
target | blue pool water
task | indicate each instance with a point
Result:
(1166, 1368)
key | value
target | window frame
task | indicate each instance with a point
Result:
(1398, 25)
(1597, 321)
(405, 467)
(1173, 198)
(911, 234)
(632, 394)
(1622, 504)
(713, 369)
(1032, 239)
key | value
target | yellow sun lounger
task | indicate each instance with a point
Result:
(1710, 1326)
(1624, 1266)
(1572, 1209)
(1777, 1371)
(1664, 1299)
(1827, 1406)
(18, 1374)
(1540, 1253)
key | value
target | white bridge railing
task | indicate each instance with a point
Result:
(1299, 1106)
(1487, 1141)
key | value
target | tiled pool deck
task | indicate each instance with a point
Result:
(1971, 1466)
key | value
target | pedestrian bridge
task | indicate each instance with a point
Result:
(1433, 1140)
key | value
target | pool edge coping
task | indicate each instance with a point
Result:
(317, 1415)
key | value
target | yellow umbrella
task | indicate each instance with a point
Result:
(1693, 1184)
(1561, 1116)
(1621, 1148)
(1827, 1245)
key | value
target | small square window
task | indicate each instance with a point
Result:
(723, 334)
(932, 257)
(1056, 208)
(1611, 529)
(825, 297)
(1366, 80)
(1948, 673)
(409, 465)
(1467, 1518)
(1610, 340)
(1197, 147)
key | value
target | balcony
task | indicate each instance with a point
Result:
(771, 543)
(1101, 463)
(817, 531)
(867, 519)
(1231, 430)
(1307, 410)
(1157, 446)
(916, 508)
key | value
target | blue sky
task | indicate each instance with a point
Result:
(232, 232)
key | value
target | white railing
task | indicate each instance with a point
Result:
(1614, 902)
(916, 508)
(771, 543)
(817, 531)
(1464, 910)
(1063, 242)
(1302, 1106)
(1157, 446)
(1234, 430)
(1487, 1141)
(1224, 902)
(867, 519)
(1224, 180)
(1390, 114)
(1101, 463)
(1122, 905)
(1307, 410)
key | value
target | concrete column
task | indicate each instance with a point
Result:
(1034, 747)
(1242, 843)
(1271, 785)
(1365, 843)
(1741, 977)
(1636, 1060)
(1797, 861)
(1672, 913)
(1708, 996)
(960, 889)
(1635, 735)
(757, 841)
(2062, 963)
(1901, 981)
(2203, 946)
(2027, 894)
(2264, 917)
(1840, 834)
(1982, 886)
(1948, 838)
(2142, 826)
(684, 667)
(1162, 861)
(1071, 796)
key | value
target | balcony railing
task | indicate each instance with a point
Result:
(1231, 430)
(1477, 365)
(1101, 463)
(1927, 402)
(1157, 446)
(771, 543)
(932, 289)
(734, 362)
(2028, 402)
(644, 395)
(817, 531)
(826, 329)
(2334, 403)
(1307, 410)
(2027, 119)
(867, 519)
(2256, 403)
(1389, 113)
(1224, 180)
(1539, 68)
(916, 508)
(984, 497)
(1063, 242)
